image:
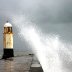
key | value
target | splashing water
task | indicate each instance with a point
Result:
(53, 54)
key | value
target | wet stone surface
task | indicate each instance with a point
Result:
(35, 66)
(18, 64)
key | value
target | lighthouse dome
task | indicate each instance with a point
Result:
(7, 24)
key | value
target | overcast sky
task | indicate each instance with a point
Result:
(51, 16)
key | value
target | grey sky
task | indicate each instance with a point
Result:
(51, 16)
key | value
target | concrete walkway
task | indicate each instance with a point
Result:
(27, 63)
(18, 64)
(35, 65)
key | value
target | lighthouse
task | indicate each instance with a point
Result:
(8, 41)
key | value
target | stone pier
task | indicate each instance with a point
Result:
(26, 63)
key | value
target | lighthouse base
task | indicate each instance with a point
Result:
(7, 53)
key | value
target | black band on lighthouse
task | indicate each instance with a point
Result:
(7, 53)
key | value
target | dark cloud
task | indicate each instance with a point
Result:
(41, 11)
(52, 16)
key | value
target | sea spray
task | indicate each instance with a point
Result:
(48, 48)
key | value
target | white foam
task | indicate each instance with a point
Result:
(53, 54)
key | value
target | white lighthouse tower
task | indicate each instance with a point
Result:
(8, 41)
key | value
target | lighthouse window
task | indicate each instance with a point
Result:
(9, 29)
